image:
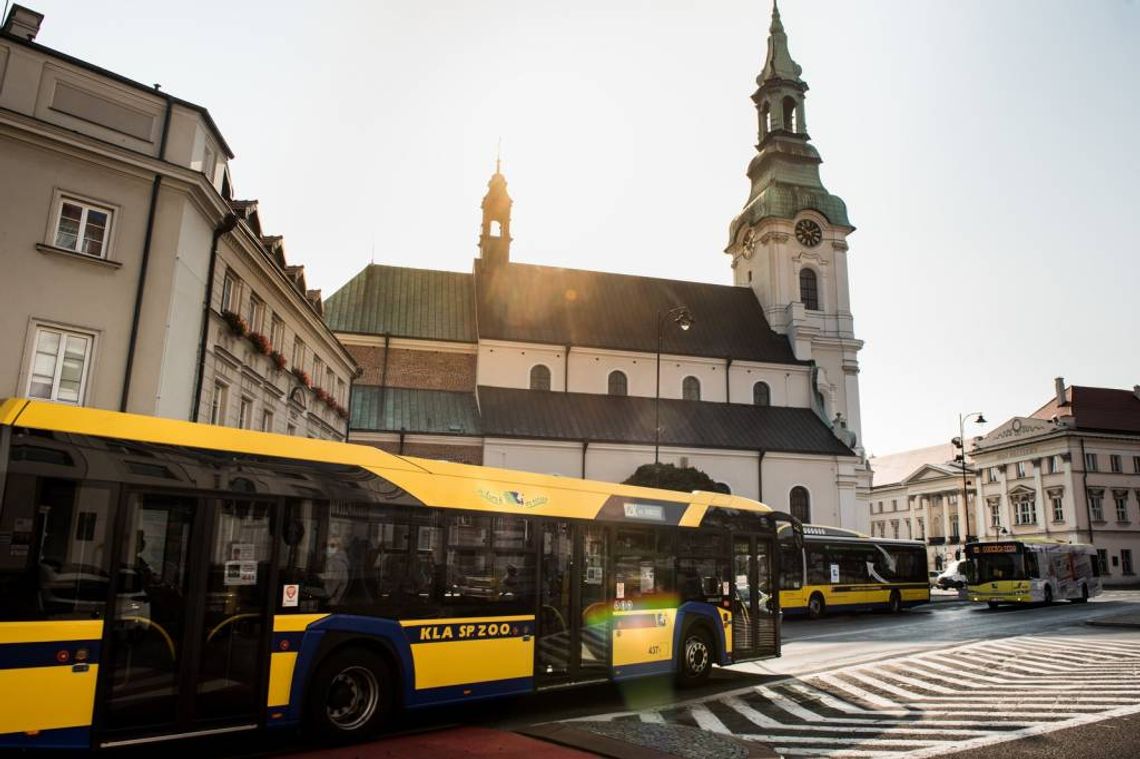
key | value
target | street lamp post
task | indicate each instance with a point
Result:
(960, 443)
(682, 317)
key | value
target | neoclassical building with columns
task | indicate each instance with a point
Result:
(592, 374)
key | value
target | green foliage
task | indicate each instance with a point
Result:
(669, 477)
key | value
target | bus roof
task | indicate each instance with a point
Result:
(435, 483)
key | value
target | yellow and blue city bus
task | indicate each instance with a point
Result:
(1031, 570)
(841, 569)
(161, 579)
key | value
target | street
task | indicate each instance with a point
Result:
(936, 680)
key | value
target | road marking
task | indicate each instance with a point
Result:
(925, 704)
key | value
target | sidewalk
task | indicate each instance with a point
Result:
(575, 740)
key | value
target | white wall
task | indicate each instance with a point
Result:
(506, 364)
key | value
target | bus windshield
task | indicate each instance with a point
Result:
(999, 566)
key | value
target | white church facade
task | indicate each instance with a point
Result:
(593, 374)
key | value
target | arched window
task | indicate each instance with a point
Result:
(691, 389)
(809, 290)
(790, 121)
(496, 228)
(799, 503)
(761, 394)
(765, 119)
(539, 377)
(619, 383)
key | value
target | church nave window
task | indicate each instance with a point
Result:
(691, 389)
(539, 377)
(799, 503)
(761, 394)
(618, 383)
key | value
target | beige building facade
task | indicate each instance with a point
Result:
(1069, 471)
(918, 495)
(118, 235)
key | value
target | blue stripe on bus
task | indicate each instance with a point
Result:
(66, 737)
(708, 613)
(646, 669)
(470, 692)
(20, 655)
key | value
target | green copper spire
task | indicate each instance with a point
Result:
(785, 171)
(778, 64)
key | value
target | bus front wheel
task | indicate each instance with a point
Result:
(350, 696)
(696, 657)
(816, 606)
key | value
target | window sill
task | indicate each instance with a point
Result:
(1123, 522)
(1058, 521)
(72, 255)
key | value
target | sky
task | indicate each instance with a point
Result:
(988, 152)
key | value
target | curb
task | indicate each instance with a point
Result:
(565, 734)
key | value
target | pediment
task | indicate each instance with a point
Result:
(1017, 428)
(1022, 490)
(926, 473)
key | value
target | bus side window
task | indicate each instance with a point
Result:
(1031, 567)
(791, 568)
(818, 568)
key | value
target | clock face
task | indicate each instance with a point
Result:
(808, 233)
(749, 244)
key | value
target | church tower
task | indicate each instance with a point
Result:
(495, 239)
(789, 244)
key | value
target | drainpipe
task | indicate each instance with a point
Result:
(566, 372)
(760, 475)
(226, 225)
(356, 374)
(137, 314)
(1085, 490)
(727, 388)
(384, 376)
(585, 445)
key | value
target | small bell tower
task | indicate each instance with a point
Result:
(495, 238)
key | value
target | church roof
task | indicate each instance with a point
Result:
(1101, 409)
(443, 412)
(510, 412)
(543, 304)
(405, 302)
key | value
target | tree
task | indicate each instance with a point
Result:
(670, 477)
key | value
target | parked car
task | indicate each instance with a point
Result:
(953, 576)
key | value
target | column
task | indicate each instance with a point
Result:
(946, 516)
(1039, 496)
(963, 523)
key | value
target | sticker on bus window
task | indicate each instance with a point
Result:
(289, 594)
(243, 552)
(835, 573)
(241, 573)
(620, 591)
(724, 588)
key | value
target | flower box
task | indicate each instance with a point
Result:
(302, 376)
(279, 359)
(236, 323)
(261, 342)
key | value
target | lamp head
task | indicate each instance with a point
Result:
(684, 319)
(981, 419)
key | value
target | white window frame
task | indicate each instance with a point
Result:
(245, 413)
(1090, 462)
(1058, 501)
(219, 400)
(231, 292)
(1021, 469)
(86, 205)
(995, 511)
(1126, 566)
(1121, 499)
(255, 312)
(266, 420)
(57, 371)
(1096, 505)
(1114, 463)
(1026, 511)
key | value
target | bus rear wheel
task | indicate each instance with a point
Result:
(350, 696)
(696, 657)
(816, 606)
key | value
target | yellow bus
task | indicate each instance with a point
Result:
(161, 579)
(839, 569)
(1031, 570)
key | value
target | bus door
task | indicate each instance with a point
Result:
(573, 616)
(187, 637)
(754, 605)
